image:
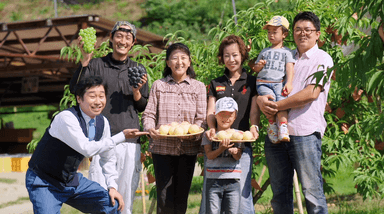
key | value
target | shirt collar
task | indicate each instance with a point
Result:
(86, 117)
(169, 78)
(111, 62)
(307, 54)
(243, 75)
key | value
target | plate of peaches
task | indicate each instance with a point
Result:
(234, 136)
(183, 129)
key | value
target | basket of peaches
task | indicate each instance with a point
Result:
(183, 130)
(235, 136)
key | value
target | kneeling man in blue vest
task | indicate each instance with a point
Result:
(75, 133)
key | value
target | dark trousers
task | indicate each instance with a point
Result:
(173, 181)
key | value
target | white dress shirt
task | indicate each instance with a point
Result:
(66, 128)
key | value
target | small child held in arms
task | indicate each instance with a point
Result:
(273, 65)
(223, 169)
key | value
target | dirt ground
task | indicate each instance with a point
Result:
(12, 192)
(16, 192)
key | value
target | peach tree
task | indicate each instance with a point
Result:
(350, 33)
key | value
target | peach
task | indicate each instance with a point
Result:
(193, 129)
(237, 136)
(164, 129)
(247, 135)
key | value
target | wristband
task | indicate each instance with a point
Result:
(257, 128)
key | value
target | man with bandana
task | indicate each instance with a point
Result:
(124, 104)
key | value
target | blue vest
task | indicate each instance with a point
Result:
(56, 162)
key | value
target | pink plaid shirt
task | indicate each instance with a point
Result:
(175, 102)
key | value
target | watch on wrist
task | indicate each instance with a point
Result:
(257, 128)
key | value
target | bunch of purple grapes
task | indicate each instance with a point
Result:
(135, 74)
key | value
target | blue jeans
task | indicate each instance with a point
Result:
(246, 161)
(275, 89)
(88, 197)
(246, 202)
(302, 153)
(223, 195)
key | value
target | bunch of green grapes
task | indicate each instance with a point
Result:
(89, 38)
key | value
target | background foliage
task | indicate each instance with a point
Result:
(354, 112)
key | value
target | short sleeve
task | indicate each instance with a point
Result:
(324, 64)
(205, 140)
(212, 90)
(289, 57)
(252, 84)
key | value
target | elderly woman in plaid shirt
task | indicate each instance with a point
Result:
(177, 97)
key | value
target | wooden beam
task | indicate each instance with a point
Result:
(22, 71)
(41, 41)
(26, 25)
(30, 56)
(5, 38)
(51, 38)
(42, 88)
(22, 43)
(61, 35)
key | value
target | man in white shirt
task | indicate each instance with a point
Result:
(78, 132)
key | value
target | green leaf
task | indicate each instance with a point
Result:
(70, 52)
(374, 81)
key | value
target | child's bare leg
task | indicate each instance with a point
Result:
(283, 128)
(282, 117)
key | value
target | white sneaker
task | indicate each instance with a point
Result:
(284, 133)
(272, 133)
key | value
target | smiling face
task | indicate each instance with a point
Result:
(276, 35)
(305, 40)
(122, 43)
(225, 119)
(179, 63)
(93, 101)
(232, 58)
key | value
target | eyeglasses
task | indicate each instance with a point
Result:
(306, 31)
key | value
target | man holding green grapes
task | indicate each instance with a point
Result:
(124, 103)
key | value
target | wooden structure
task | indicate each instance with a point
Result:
(31, 72)
(14, 141)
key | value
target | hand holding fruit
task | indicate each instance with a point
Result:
(155, 134)
(88, 36)
(211, 133)
(232, 134)
(137, 77)
(287, 89)
(87, 42)
(225, 144)
(181, 129)
(143, 79)
(254, 132)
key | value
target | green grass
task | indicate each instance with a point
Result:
(18, 201)
(2, 6)
(7, 181)
(343, 201)
(39, 119)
